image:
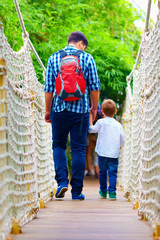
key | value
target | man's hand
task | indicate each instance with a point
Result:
(47, 117)
(94, 103)
(94, 113)
(90, 119)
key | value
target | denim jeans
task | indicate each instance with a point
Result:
(107, 166)
(63, 123)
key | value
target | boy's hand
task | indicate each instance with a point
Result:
(47, 117)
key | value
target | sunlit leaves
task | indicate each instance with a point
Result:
(108, 26)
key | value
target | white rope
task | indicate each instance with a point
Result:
(27, 35)
(20, 17)
(148, 15)
(139, 168)
(37, 56)
(26, 169)
(136, 64)
(140, 50)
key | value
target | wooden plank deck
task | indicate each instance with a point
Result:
(91, 219)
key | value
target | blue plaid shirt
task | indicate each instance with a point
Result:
(89, 73)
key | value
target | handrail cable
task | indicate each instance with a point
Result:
(26, 34)
(148, 16)
(140, 49)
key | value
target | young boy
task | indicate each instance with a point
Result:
(110, 139)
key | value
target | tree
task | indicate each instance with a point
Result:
(108, 25)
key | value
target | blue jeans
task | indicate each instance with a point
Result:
(63, 123)
(107, 166)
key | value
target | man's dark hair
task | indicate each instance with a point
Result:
(76, 37)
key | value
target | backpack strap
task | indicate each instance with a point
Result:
(62, 53)
(78, 53)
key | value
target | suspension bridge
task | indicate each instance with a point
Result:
(27, 181)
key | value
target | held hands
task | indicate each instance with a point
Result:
(47, 117)
(93, 112)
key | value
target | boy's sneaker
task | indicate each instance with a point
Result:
(78, 197)
(102, 194)
(61, 191)
(112, 196)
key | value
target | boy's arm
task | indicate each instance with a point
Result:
(94, 128)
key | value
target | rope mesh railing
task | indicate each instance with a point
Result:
(26, 161)
(139, 168)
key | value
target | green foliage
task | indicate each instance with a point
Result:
(108, 26)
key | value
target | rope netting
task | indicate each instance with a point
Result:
(26, 161)
(139, 168)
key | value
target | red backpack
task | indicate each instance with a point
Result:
(70, 84)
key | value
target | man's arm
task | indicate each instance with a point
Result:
(94, 86)
(49, 89)
(48, 101)
(90, 120)
(94, 103)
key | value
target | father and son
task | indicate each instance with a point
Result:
(70, 112)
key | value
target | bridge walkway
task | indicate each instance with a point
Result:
(92, 219)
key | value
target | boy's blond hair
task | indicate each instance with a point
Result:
(109, 107)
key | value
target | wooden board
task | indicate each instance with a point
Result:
(91, 219)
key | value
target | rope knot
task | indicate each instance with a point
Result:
(25, 35)
(147, 32)
(128, 79)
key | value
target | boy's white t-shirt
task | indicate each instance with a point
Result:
(110, 137)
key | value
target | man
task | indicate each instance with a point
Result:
(71, 117)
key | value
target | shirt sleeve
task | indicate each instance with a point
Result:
(94, 83)
(121, 137)
(49, 79)
(94, 128)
